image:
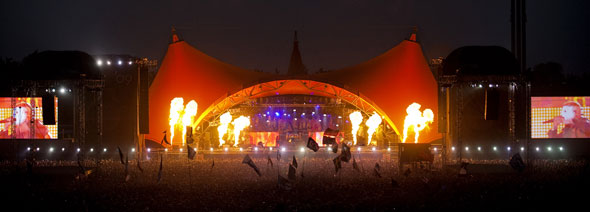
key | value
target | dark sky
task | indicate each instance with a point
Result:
(258, 34)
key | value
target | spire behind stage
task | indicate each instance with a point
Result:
(296, 66)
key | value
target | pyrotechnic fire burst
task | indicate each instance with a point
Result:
(373, 122)
(181, 116)
(239, 124)
(176, 106)
(355, 119)
(190, 110)
(417, 120)
(224, 121)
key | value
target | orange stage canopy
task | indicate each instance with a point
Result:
(391, 81)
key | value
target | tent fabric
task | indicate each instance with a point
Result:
(393, 81)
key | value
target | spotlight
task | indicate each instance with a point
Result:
(62, 90)
(195, 149)
(324, 115)
(91, 149)
(241, 149)
(389, 149)
(51, 149)
(270, 148)
(495, 148)
(329, 148)
(478, 148)
(130, 62)
(104, 150)
(339, 117)
(537, 149)
(283, 149)
(508, 148)
(466, 148)
(560, 148)
(302, 149)
(435, 149)
(453, 148)
(28, 148)
(374, 149)
(295, 119)
(521, 148)
(63, 149)
(78, 150)
(119, 62)
(211, 149)
(53, 90)
(180, 149)
(166, 149)
(226, 149)
(358, 148)
(149, 149)
(99, 62)
(108, 62)
(255, 148)
(549, 149)
(132, 149)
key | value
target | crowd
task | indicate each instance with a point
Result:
(222, 183)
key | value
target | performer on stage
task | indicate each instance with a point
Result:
(22, 124)
(575, 126)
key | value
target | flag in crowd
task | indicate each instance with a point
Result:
(191, 152)
(164, 140)
(139, 166)
(376, 170)
(121, 155)
(337, 164)
(160, 170)
(335, 147)
(517, 163)
(250, 162)
(294, 161)
(269, 161)
(345, 155)
(312, 144)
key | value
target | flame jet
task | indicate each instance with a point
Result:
(239, 124)
(190, 110)
(356, 118)
(224, 121)
(176, 107)
(373, 123)
(416, 119)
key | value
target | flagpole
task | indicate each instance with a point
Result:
(304, 159)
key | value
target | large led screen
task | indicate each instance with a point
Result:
(560, 117)
(22, 118)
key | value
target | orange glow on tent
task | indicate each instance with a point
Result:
(417, 120)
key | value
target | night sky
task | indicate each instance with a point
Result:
(259, 34)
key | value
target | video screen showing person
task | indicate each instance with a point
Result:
(22, 118)
(560, 117)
